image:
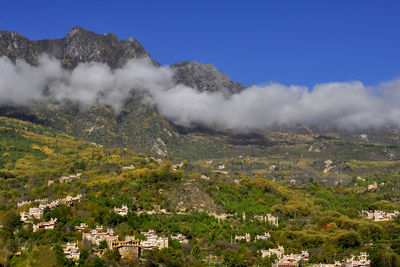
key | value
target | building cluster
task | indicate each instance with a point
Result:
(69, 178)
(284, 260)
(52, 205)
(292, 259)
(45, 225)
(181, 238)
(245, 237)
(37, 213)
(71, 251)
(379, 216)
(33, 213)
(279, 252)
(129, 249)
(266, 236)
(123, 211)
(69, 200)
(267, 219)
(128, 168)
(81, 227)
(97, 235)
(23, 203)
(357, 261)
(153, 240)
(289, 260)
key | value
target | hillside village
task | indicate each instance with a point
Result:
(117, 207)
(132, 248)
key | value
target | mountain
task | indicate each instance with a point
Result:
(137, 125)
(81, 45)
(140, 126)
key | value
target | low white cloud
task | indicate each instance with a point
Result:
(88, 83)
(349, 105)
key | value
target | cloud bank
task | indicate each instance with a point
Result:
(347, 105)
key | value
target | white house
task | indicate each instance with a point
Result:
(71, 251)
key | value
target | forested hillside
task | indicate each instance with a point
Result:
(208, 201)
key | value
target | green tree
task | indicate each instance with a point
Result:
(349, 239)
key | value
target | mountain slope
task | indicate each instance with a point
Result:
(137, 125)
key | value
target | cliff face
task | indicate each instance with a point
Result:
(15, 46)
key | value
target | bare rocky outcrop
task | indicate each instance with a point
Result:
(191, 196)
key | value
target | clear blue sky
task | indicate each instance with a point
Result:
(292, 42)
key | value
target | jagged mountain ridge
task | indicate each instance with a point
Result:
(80, 45)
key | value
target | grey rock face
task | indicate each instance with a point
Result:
(80, 45)
(13, 45)
(205, 77)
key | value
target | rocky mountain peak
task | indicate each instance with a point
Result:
(76, 30)
(205, 77)
(84, 34)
